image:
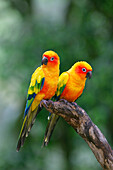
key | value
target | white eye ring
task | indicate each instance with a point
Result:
(83, 69)
(52, 58)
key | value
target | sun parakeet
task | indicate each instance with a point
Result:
(43, 85)
(70, 86)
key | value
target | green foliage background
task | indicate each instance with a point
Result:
(76, 30)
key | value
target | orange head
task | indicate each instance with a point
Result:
(50, 59)
(83, 69)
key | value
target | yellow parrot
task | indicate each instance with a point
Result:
(70, 86)
(43, 85)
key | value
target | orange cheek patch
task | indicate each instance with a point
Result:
(79, 70)
(53, 63)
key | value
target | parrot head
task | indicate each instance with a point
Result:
(50, 59)
(83, 69)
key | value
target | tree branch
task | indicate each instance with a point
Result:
(82, 124)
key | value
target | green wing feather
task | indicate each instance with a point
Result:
(53, 118)
(37, 82)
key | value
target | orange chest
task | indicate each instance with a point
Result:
(50, 87)
(72, 91)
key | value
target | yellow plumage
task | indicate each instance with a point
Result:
(70, 87)
(43, 85)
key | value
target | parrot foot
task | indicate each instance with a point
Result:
(63, 100)
(43, 102)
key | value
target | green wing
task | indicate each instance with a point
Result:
(61, 84)
(37, 82)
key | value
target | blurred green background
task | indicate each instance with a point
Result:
(76, 30)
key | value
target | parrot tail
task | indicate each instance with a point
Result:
(26, 126)
(50, 127)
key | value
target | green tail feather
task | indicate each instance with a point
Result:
(26, 127)
(50, 127)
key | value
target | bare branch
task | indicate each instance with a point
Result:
(82, 124)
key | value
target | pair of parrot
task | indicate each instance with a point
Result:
(46, 83)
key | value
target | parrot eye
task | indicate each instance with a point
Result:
(83, 69)
(52, 58)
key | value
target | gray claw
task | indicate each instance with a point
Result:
(43, 102)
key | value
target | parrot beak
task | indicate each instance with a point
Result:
(89, 74)
(44, 60)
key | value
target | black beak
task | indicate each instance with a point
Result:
(89, 74)
(44, 61)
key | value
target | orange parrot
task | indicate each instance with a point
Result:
(43, 85)
(70, 86)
